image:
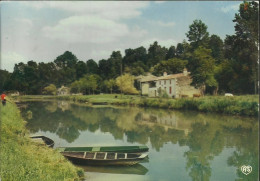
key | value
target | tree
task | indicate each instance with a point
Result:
(156, 53)
(126, 84)
(115, 64)
(198, 34)
(76, 86)
(171, 66)
(171, 53)
(5, 80)
(248, 40)
(241, 50)
(66, 66)
(88, 83)
(202, 69)
(110, 84)
(92, 67)
(51, 89)
(217, 47)
(104, 68)
(81, 69)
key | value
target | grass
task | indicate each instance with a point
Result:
(245, 105)
(23, 160)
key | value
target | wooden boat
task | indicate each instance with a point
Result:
(118, 149)
(103, 158)
(43, 140)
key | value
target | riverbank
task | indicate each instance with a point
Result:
(246, 105)
(22, 159)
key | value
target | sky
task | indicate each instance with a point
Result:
(43, 30)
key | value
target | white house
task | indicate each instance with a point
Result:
(175, 85)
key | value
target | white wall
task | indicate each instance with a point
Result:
(167, 84)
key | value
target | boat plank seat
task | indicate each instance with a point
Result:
(111, 156)
(95, 155)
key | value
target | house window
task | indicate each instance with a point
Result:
(165, 82)
(170, 90)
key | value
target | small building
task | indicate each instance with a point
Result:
(175, 85)
(63, 91)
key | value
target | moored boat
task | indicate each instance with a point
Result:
(104, 158)
(118, 149)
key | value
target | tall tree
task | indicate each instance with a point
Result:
(202, 69)
(171, 53)
(171, 66)
(81, 69)
(242, 50)
(4, 80)
(115, 64)
(92, 67)
(247, 36)
(198, 34)
(156, 53)
(66, 64)
(217, 47)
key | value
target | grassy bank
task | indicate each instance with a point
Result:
(23, 160)
(246, 105)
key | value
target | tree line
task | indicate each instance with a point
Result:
(216, 65)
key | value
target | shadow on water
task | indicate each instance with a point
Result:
(137, 169)
(204, 138)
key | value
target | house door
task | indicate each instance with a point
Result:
(170, 90)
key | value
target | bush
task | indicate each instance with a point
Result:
(50, 90)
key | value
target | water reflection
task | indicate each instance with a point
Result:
(205, 136)
(137, 169)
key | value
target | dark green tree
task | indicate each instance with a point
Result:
(92, 67)
(156, 53)
(198, 34)
(171, 66)
(217, 47)
(202, 68)
(66, 65)
(171, 53)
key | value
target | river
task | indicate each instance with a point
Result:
(183, 145)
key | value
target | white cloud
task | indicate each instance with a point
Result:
(90, 29)
(161, 23)
(110, 10)
(9, 59)
(230, 8)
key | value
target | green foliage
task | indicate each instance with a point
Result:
(110, 84)
(22, 159)
(156, 53)
(50, 90)
(171, 66)
(202, 68)
(126, 84)
(198, 34)
(5, 80)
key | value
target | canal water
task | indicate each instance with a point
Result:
(183, 145)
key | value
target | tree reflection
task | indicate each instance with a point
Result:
(205, 135)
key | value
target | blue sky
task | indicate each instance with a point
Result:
(43, 30)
